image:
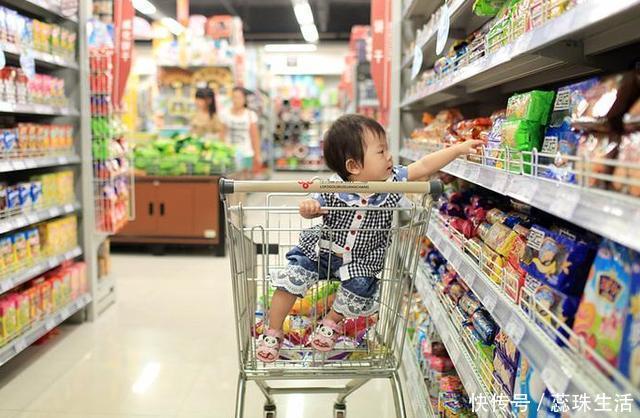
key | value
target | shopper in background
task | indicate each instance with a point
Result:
(205, 121)
(241, 131)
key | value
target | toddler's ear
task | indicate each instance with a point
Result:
(353, 167)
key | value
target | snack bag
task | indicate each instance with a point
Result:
(629, 363)
(19, 240)
(23, 311)
(7, 254)
(8, 318)
(533, 106)
(520, 135)
(557, 260)
(488, 7)
(603, 105)
(592, 149)
(504, 372)
(605, 304)
(629, 153)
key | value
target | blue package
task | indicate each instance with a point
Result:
(531, 397)
(36, 192)
(13, 198)
(9, 140)
(629, 362)
(557, 260)
(24, 190)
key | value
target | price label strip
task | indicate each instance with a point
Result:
(515, 329)
(564, 203)
(554, 377)
(490, 301)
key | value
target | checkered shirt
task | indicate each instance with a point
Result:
(364, 238)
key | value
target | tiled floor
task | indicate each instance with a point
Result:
(166, 349)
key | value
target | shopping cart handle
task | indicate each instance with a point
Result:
(228, 186)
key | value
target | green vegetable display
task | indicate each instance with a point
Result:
(184, 155)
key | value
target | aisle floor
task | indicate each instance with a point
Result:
(166, 349)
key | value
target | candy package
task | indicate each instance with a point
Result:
(504, 371)
(593, 149)
(491, 264)
(629, 363)
(606, 300)
(520, 135)
(629, 165)
(557, 260)
(505, 345)
(488, 7)
(603, 105)
(469, 304)
(484, 327)
(533, 106)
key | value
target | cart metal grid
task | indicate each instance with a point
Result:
(258, 238)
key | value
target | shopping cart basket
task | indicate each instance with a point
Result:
(258, 237)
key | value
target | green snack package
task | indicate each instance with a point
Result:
(534, 106)
(520, 135)
(488, 7)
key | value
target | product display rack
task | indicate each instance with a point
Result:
(414, 385)
(75, 73)
(589, 38)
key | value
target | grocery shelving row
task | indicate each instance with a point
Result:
(37, 109)
(46, 9)
(565, 366)
(551, 52)
(22, 219)
(41, 57)
(583, 206)
(414, 385)
(26, 274)
(42, 327)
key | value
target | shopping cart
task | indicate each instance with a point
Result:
(258, 237)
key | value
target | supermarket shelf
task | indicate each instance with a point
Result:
(106, 295)
(459, 355)
(22, 220)
(37, 109)
(606, 213)
(416, 8)
(414, 385)
(540, 51)
(41, 328)
(40, 8)
(559, 371)
(37, 162)
(41, 57)
(462, 22)
(20, 277)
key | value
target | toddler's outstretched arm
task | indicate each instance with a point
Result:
(432, 163)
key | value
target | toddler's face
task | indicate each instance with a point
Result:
(377, 159)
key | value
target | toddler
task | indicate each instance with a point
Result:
(356, 149)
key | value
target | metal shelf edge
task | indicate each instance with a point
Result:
(38, 162)
(37, 109)
(27, 274)
(43, 57)
(39, 329)
(40, 215)
(584, 207)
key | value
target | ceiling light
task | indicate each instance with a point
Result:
(303, 12)
(290, 48)
(173, 25)
(144, 6)
(309, 33)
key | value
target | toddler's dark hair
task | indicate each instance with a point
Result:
(345, 140)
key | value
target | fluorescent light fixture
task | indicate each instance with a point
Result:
(290, 48)
(303, 12)
(145, 7)
(173, 25)
(309, 33)
(147, 376)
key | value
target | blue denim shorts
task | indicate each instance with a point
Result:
(357, 296)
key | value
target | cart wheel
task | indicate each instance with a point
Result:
(339, 410)
(269, 411)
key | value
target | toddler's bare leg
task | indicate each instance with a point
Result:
(334, 316)
(281, 304)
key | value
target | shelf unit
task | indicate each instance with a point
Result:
(592, 37)
(41, 328)
(75, 73)
(414, 384)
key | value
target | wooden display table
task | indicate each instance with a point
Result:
(176, 210)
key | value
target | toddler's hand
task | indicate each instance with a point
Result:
(310, 209)
(469, 147)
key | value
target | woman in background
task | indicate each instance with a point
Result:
(205, 121)
(241, 131)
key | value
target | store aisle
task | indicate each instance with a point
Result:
(166, 349)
